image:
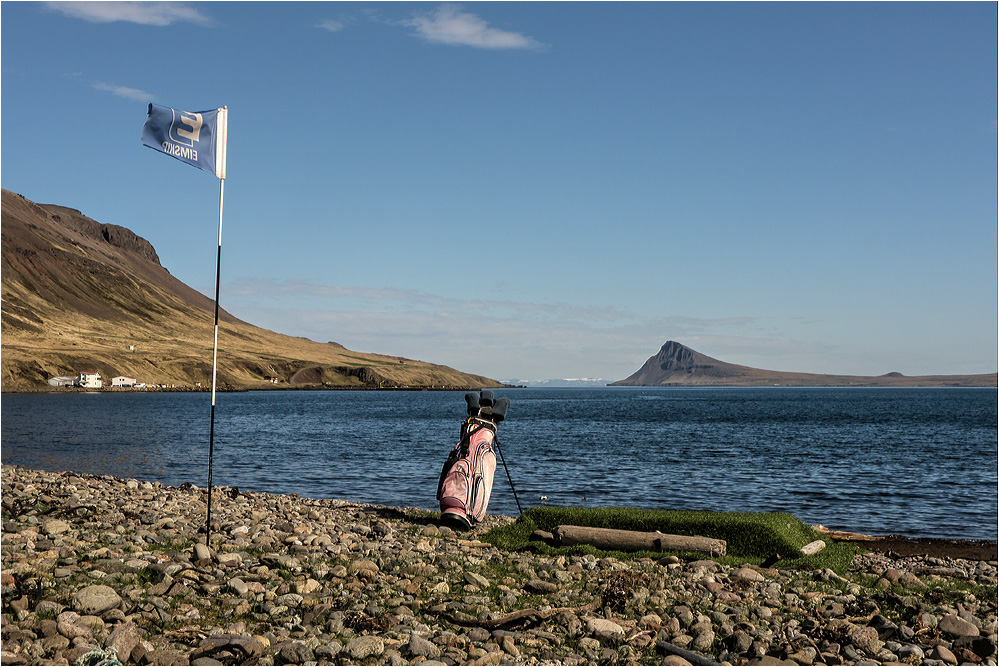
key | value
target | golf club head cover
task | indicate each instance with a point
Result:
(499, 409)
(472, 400)
(486, 398)
(486, 404)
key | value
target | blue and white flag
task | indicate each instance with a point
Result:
(195, 137)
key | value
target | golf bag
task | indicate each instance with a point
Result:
(466, 480)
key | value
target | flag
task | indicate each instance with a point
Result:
(195, 137)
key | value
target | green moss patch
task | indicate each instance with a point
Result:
(751, 537)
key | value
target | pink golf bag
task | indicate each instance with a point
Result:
(466, 480)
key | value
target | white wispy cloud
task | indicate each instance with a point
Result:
(126, 92)
(449, 25)
(339, 296)
(143, 13)
(331, 25)
(495, 337)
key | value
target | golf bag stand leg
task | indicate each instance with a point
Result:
(510, 479)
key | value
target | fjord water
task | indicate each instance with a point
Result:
(917, 462)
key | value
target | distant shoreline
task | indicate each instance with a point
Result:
(278, 388)
(226, 390)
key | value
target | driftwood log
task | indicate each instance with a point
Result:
(630, 540)
(521, 616)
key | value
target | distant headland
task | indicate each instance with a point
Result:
(678, 365)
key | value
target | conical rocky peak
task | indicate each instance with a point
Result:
(674, 356)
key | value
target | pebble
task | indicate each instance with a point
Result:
(103, 563)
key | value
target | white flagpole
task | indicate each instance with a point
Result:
(222, 139)
(215, 357)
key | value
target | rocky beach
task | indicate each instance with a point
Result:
(102, 570)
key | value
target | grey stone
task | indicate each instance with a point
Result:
(95, 599)
(135, 565)
(229, 559)
(364, 646)
(55, 527)
(866, 639)
(49, 607)
(294, 653)
(909, 580)
(674, 660)
(509, 646)
(747, 574)
(570, 622)
(242, 645)
(703, 640)
(541, 587)
(328, 651)
(202, 552)
(941, 652)
(604, 629)
(292, 600)
(805, 656)
(56, 643)
(956, 626)
(12, 658)
(833, 610)
(739, 642)
(983, 647)
(239, 587)
(419, 646)
(69, 626)
(165, 657)
(476, 579)
(478, 634)
(363, 565)
(124, 638)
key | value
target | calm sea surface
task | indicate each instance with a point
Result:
(920, 462)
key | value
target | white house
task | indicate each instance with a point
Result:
(90, 380)
(123, 381)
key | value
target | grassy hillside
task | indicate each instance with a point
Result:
(80, 295)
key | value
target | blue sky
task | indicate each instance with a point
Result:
(546, 190)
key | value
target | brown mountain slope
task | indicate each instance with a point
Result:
(80, 295)
(678, 365)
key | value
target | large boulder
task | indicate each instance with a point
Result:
(95, 600)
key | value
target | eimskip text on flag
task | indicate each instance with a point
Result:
(197, 138)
